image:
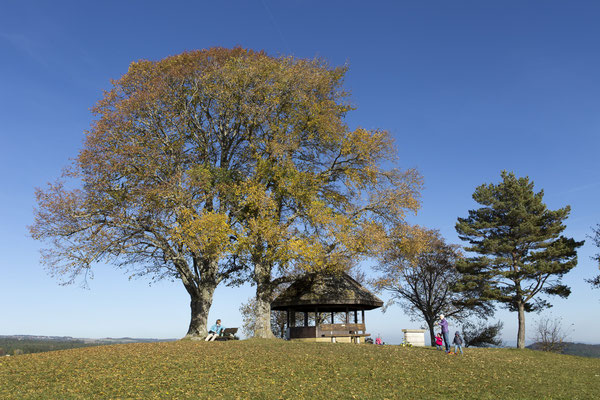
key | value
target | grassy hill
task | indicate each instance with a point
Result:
(272, 369)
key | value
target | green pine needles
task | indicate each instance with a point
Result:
(596, 239)
(520, 250)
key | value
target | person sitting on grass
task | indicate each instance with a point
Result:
(457, 343)
(438, 341)
(214, 331)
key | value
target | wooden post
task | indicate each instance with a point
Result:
(287, 318)
(356, 316)
(305, 318)
(363, 316)
(346, 314)
(293, 318)
(332, 317)
(317, 323)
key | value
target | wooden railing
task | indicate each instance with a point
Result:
(297, 332)
(353, 331)
(342, 328)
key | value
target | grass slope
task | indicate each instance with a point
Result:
(271, 369)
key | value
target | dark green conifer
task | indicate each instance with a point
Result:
(596, 239)
(520, 250)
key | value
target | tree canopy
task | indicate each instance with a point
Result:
(323, 204)
(521, 253)
(481, 334)
(206, 165)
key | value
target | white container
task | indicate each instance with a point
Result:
(416, 337)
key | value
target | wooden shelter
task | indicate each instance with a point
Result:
(322, 299)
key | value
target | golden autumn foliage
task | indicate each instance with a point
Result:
(204, 164)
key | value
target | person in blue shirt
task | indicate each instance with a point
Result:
(214, 331)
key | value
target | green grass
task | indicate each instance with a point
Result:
(272, 369)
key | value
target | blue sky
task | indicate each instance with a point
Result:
(467, 88)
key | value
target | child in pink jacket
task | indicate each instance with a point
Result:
(438, 341)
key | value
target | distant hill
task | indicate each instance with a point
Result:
(576, 349)
(26, 344)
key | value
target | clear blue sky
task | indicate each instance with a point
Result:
(467, 88)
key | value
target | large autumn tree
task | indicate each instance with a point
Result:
(202, 161)
(325, 201)
(520, 251)
(150, 190)
(320, 197)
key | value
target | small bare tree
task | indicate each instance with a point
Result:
(550, 335)
(421, 280)
(249, 313)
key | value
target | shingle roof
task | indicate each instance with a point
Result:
(326, 290)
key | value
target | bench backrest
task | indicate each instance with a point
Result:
(342, 328)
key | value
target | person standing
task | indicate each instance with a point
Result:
(457, 343)
(438, 341)
(444, 324)
(214, 331)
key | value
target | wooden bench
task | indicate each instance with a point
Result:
(227, 334)
(353, 331)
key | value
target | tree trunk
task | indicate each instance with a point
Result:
(263, 319)
(521, 334)
(431, 326)
(200, 306)
(201, 288)
(264, 294)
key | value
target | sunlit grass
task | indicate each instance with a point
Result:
(271, 369)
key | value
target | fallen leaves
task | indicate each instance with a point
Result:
(273, 369)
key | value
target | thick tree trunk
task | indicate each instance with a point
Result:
(264, 294)
(521, 334)
(201, 288)
(200, 306)
(263, 319)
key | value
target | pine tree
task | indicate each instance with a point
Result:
(596, 239)
(521, 253)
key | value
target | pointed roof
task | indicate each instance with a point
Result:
(326, 291)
